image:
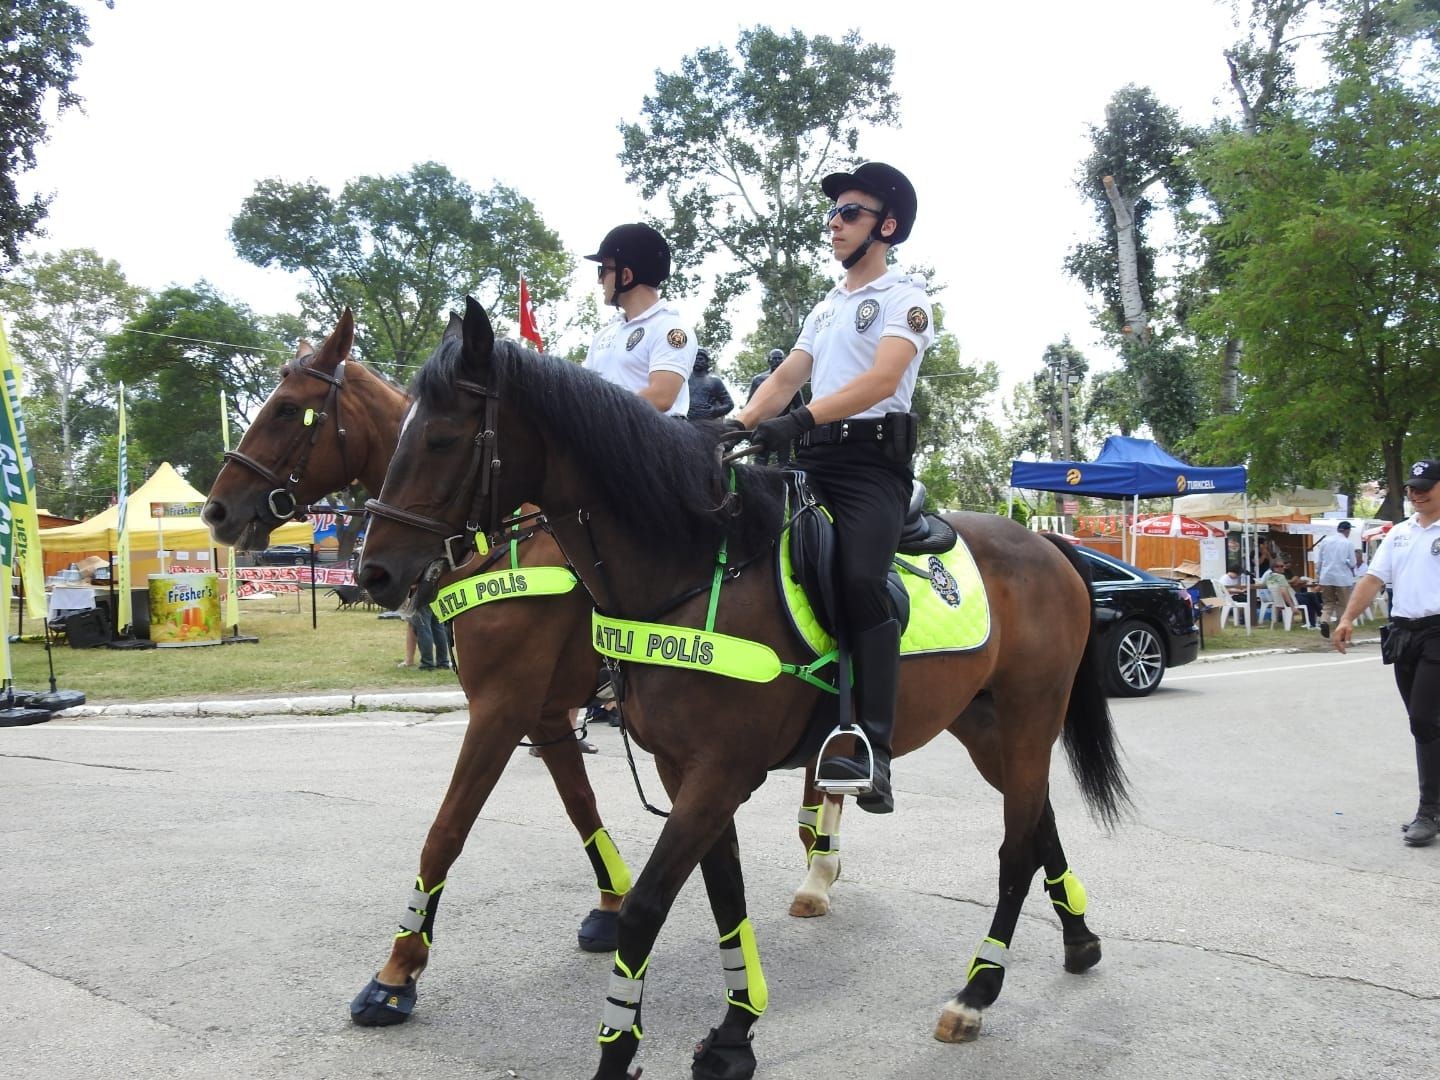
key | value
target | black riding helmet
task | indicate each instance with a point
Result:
(890, 186)
(638, 248)
(702, 361)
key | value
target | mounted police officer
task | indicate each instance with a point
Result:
(647, 347)
(860, 348)
(1408, 560)
(709, 398)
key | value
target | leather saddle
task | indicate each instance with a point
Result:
(812, 549)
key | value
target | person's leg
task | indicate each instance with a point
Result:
(1419, 684)
(424, 639)
(409, 645)
(439, 635)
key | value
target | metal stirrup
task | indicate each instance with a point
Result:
(849, 786)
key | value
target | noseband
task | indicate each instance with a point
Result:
(280, 502)
(481, 483)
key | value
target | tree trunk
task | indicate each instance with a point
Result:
(1137, 323)
(1393, 508)
(1230, 376)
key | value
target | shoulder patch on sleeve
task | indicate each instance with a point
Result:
(917, 319)
(676, 338)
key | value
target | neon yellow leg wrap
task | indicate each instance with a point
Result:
(744, 981)
(419, 917)
(812, 820)
(622, 1002)
(990, 954)
(1075, 900)
(611, 874)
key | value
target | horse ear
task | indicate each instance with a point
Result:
(455, 329)
(303, 349)
(479, 336)
(337, 346)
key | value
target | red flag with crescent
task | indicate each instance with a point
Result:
(528, 330)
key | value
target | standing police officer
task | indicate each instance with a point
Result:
(646, 348)
(1408, 559)
(860, 348)
(709, 399)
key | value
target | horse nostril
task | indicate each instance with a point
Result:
(214, 513)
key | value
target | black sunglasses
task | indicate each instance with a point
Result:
(602, 270)
(850, 212)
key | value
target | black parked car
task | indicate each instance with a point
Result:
(1146, 624)
(284, 555)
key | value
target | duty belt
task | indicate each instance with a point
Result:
(845, 431)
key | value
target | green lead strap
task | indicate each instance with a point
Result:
(720, 557)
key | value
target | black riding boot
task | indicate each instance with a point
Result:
(1423, 829)
(877, 670)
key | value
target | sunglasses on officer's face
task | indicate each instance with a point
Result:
(850, 212)
(602, 270)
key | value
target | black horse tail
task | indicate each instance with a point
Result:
(1089, 733)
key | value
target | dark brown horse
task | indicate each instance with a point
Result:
(633, 498)
(330, 421)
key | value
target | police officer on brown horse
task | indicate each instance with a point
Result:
(860, 348)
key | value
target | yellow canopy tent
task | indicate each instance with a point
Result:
(100, 533)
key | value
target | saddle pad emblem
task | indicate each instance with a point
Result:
(634, 338)
(865, 315)
(943, 582)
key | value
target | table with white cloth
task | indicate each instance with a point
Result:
(65, 600)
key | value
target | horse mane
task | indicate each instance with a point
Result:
(297, 364)
(659, 475)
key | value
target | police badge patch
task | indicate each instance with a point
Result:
(676, 338)
(1435, 548)
(941, 580)
(865, 315)
(634, 338)
(917, 320)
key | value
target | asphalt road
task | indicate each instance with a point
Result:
(199, 897)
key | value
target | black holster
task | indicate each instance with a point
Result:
(902, 433)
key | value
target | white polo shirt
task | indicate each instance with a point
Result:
(625, 352)
(842, 332)
(1408, 560)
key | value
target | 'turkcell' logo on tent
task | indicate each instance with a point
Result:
(1180, 484)
(1072, 476)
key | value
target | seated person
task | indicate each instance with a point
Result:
(1234, 584)
(1307, 597)
(1279, 585)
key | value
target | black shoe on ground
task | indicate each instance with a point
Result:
(1324, 628)
(427, 667)
(1422, 830)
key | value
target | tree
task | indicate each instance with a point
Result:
(1332, 248)
(175, 357)
(40, 43)
(65, 306)
(399, 250)
(737, 145)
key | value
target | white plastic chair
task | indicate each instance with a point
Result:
(1268, 607)
(1230, 608)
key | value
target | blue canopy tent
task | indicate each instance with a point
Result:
(1129, 470)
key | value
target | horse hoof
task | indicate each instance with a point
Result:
(379, 1005)
(724, 1056)
(600, 932)
(808, 906)
(1082, 956)
(958, 1023)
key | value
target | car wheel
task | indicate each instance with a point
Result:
(301, 560)
(1136, 661)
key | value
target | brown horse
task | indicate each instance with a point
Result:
(633, 498)
(330, 421)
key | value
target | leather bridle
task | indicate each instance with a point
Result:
(280, 501)
(481, 483)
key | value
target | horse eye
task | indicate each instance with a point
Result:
(440, 443)
(288, 411)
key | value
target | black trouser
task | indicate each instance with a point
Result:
(1417, 674)
(868, 495)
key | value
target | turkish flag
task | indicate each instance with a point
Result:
(528, 330)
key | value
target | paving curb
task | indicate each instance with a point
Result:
(1243, 654)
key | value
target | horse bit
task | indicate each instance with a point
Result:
(280, 502)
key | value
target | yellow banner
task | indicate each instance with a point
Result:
(20, 546)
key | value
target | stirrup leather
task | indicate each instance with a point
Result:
(847, 786)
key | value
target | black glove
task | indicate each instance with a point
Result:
(777, 436)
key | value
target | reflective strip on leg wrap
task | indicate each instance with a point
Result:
(990, 954)
(744, 980)
(419, 917)
(621, 1013)
(811, 819)
(1072, 899)
(611, 874)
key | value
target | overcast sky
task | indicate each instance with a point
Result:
(188, 103)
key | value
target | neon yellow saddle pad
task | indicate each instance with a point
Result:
(949, 611)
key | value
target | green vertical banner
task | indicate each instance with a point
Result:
(20, 544)
(123, 615)
(232, 591)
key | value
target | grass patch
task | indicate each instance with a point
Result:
(348, 652)
(1267, 637)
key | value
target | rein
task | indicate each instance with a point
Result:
(280, 502)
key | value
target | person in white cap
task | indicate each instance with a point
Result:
(1408, 560)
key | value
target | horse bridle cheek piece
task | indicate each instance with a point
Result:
(280, 502)
(482, 480)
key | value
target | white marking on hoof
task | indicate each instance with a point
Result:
(812, 899)
(958, 1023)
